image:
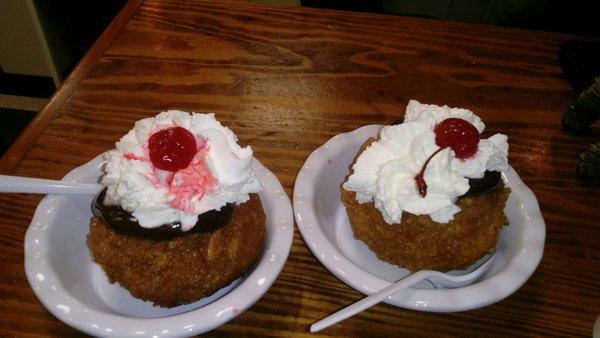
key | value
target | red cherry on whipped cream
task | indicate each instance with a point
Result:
(172, 149)
(457, 134)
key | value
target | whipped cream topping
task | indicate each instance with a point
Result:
(218, 174)
(384, 173)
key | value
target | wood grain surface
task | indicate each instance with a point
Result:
(286, 80)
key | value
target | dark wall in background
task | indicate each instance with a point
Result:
(576, 17)
(72, 27)
(78, 23)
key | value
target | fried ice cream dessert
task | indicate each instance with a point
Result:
(180, 216)
(428, 193)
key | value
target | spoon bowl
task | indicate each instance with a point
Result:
(439, 279)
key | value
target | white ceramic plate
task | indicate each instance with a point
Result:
(324, 225)
(76, 290)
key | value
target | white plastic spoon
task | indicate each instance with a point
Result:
(17, 184)
(438, 278)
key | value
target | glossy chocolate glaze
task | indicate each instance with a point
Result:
(489, 181)
(121, 221)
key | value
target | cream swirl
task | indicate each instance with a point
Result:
(219, 173)
(384, 173)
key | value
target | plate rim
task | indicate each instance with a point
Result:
(192, 322)
(476, 295)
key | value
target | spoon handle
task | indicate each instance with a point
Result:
(369, 301)
(16, 184)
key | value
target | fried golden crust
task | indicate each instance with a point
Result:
(418, 243)
(185, 269)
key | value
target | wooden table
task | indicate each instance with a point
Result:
(286, 80)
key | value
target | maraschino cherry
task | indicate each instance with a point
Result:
(172, 149)
(459, 135)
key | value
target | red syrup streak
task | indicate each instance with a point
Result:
(191, 183)
(132, 156)
(421, 184)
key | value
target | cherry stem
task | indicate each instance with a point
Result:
(421, 184)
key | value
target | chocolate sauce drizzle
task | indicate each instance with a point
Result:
(489, 181)
(121, 221)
